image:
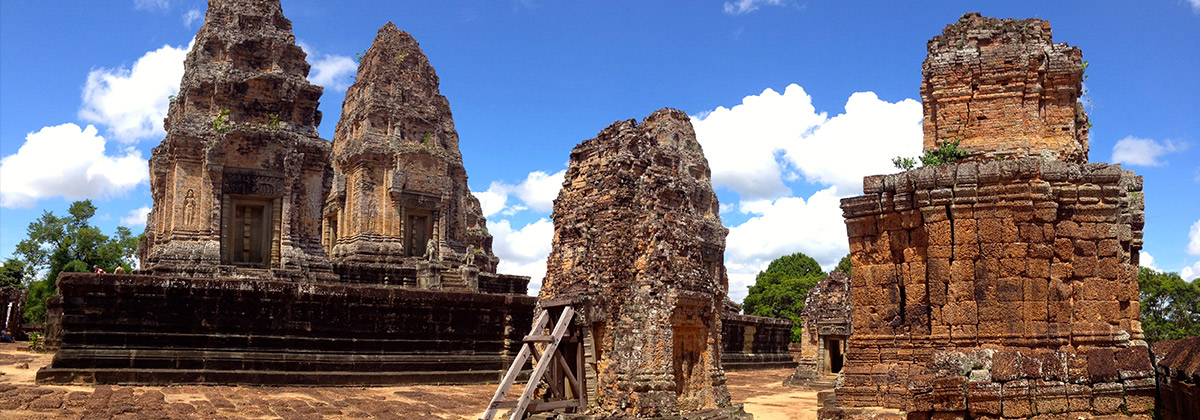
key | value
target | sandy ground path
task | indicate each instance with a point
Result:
(762, 392)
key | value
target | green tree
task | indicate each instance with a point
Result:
(1170, 305)
(843, 265)
(57, 244)
(14, 273)
(779, 291)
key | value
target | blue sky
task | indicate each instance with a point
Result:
(793, 101)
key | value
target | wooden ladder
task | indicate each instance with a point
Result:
(553, 360)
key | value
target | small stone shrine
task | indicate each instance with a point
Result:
(1004, 285)
(826, 327)
(639, 250)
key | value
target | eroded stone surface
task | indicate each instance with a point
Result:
(239, 181)
(1003, 88)
(639, 245)
(827, 325)
(400, 206)
(1178, 368)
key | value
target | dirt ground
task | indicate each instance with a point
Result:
(762, 392)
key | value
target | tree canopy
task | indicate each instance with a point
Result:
(1170, 305)
(843, 265)
(65, 244)
(779, 292)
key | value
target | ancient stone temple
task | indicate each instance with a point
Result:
(237, 288)
(999, 288)
(1003, 89)
(827, 325)
(639, 249)
(239, 181)
(400, 208)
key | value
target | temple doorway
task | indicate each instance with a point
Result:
(833, 349)
(417, 236)
(248, 239)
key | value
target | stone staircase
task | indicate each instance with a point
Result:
(453, 280)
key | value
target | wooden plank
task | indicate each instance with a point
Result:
(582, 391)
(537, 339)
(564, 321)
(556, 302)
(514, 370)
(562, 362)
(540, 405)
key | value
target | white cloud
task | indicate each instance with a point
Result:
(1194, 239)
(132, 103)
(1191, 272)
(70, 162)
(1144, 152)
(151, 4)
(780, 227)
(1147, 260)
(754, 147)
(746, 6)
(136, 217)
(537, 191)
(329, 70)
(192, 16)
(523, 251)
(741, 143)
(1195, 5)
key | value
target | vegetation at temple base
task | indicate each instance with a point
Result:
(64, 244)
(1170, 305)
(779, 291)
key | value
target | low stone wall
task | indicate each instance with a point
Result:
(755, 342)
(1178, 363)
(156, 330)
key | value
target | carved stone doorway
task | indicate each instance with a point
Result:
(250, 226)
(418, 229)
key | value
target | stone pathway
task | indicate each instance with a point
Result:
(22, 399)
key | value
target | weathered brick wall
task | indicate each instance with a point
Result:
(755, 342)
(1035, 261)
(1003, 88)
(158, 330)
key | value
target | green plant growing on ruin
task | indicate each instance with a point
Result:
(946, 152)
(171, 98)
(359, 56)
(35, 342)
(904, 163)
(221, 122)
(478, 252)
(274, 124)
(1001, 158)
(425, 138)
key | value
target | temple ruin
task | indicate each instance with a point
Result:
(239, 181)
(827, 326)
(400, 207)
(1004, 286)
(639, 254)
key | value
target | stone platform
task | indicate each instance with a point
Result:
(755, 342)
(154, 330)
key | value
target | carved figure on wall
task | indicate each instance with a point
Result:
(431, 250)
(189, 208)
(469, 256)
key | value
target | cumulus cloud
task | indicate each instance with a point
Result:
(192, 16)
(746, 6)
(133, 102)
(780, 227)
(70, 162)
(537, 192)
(1194, 236)
(136, 217)
(523, 251)
(151, 4)
(329, 70)
(1191, 272)
(754, 147)
(1147, 260)
(1144, 152)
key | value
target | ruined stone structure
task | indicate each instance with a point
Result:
(755, 342)
(400, 207)
(239, 181)
(163, 330)
(1178, 366)
(1002, 88)
(998, 289)
(12, 310)
(827, 325)
(639, 248)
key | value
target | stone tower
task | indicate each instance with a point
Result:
(400, 207)
(1003, 88)
(238, 182)
(639, 248)
(997, 287)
